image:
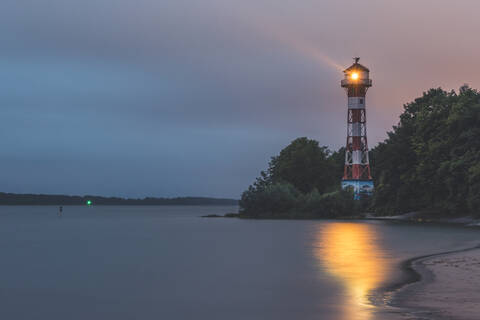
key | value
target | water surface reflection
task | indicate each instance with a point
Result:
(352, 254)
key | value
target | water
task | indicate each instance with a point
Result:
(167, 263)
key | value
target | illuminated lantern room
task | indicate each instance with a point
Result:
(356, 75)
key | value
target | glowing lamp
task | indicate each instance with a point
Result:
(354, 76)
(89, 202)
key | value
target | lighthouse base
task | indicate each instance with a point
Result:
(361, 188)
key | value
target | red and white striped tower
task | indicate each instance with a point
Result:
(357, 168)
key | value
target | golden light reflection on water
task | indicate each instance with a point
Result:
(350, 252)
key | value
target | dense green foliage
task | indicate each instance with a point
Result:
(283, 200)
(305, 165)
(301, 182)
(431, 160)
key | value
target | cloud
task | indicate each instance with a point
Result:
(181, 97)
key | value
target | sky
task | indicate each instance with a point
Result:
(192, 97)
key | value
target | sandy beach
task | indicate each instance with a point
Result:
(449, 288)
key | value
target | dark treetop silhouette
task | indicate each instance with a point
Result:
(430, 162)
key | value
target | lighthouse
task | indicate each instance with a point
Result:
(357, 168)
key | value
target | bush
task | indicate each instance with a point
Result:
(285, 201)
(273, 201)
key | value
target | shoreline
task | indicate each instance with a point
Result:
(437, 286)
(411, 217)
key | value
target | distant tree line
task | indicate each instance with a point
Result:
(43, 199)
(429, 162)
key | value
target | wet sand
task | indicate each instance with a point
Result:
(449, 287)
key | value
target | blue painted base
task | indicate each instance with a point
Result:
(361, 188)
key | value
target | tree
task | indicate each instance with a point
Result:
(305, 165)
(430, 160)
(294, 183)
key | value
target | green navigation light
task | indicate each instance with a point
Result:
(89, 202)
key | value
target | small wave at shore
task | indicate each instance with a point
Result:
(394, 297)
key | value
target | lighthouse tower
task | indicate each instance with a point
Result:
(357, 168)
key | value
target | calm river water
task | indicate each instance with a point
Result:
(164, 262)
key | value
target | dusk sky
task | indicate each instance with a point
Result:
(182, 97)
